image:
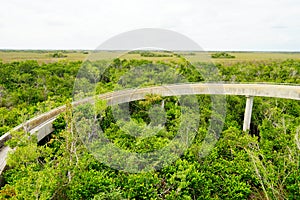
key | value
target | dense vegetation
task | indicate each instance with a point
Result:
(28, 89)
(262, 164)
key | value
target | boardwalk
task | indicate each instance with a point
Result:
(42, 125)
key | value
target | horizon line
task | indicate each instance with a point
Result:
(237, 51)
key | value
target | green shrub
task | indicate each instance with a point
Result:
(222, 55)
(58, 55)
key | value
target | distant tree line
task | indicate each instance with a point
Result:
(222, 55)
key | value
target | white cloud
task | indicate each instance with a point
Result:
(214, 24)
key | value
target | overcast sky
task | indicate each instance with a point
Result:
(214, 24)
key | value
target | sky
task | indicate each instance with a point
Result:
(236, 25)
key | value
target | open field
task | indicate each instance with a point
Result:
(44, 56)
(40, 56)
(249, 57)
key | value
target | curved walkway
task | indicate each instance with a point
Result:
(42, 124)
